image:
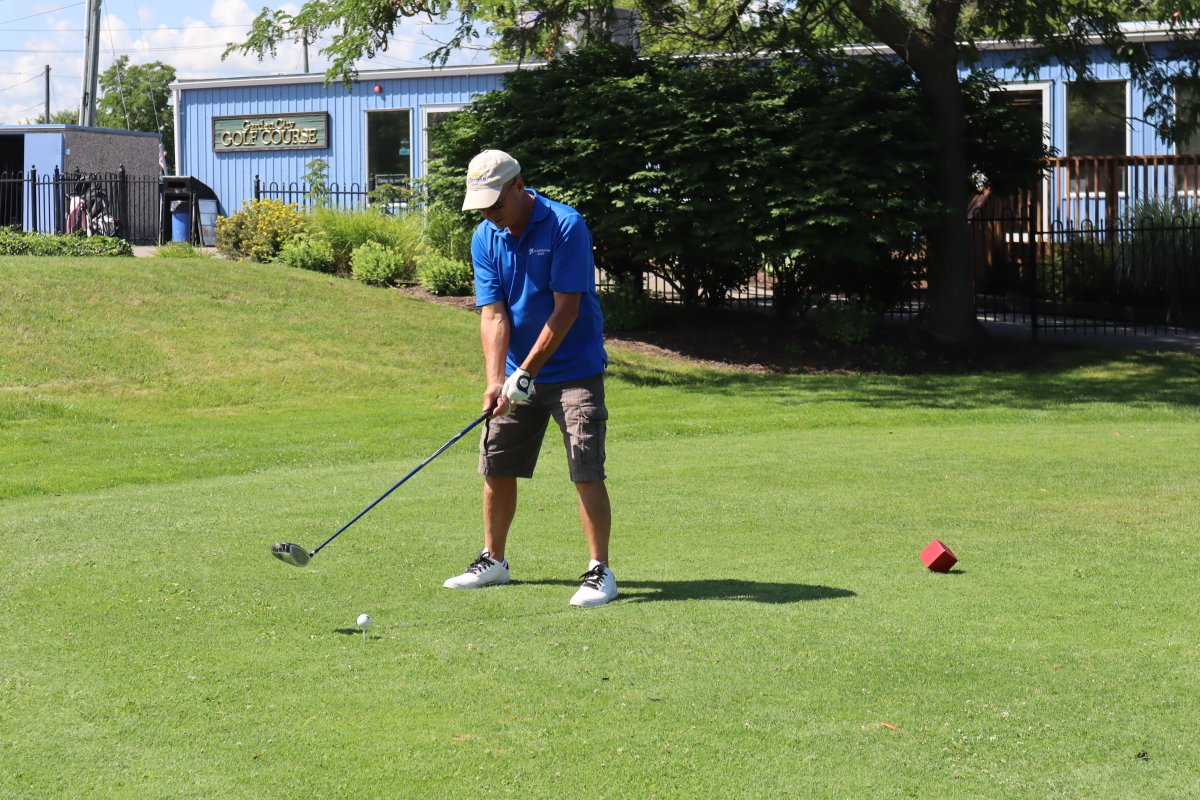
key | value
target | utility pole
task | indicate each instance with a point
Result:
(305, 35)
(91, 66)
(46, 119)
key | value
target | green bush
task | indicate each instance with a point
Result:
(846, 323)
(448, 233)
(347, 230)
(445, 276)
(709, 169)
(626, 305)
(258, 231)
(373, 263)
(388, 197)
(1159, 255)
(307, 251)
(1080, 268)
(17, 243)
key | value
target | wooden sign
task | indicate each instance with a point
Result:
(274, 132)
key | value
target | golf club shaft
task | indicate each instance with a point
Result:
(415, 470)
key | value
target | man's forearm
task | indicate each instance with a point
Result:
(494, 336)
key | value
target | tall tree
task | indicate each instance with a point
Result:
(933, 37)
(136, 97)
(64, 116)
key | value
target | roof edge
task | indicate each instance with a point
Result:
(363, 75)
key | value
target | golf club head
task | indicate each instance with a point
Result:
(290, 553)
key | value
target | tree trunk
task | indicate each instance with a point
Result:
(950, 312)
(932, 53)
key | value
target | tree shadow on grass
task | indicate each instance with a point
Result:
(715, 589)
(904, 368)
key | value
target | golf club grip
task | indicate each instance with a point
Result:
(400, 482)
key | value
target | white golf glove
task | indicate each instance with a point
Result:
(517, 386)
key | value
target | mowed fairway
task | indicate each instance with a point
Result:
(162, 422)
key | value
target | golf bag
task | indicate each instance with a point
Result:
(90, 213)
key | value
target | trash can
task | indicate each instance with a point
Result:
(181, 221)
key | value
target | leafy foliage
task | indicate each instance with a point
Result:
(1160, 255)
(386, 197)
(19, 243)
(348, 230)
(365, 27)
(627, 305)
(705, 173)
(260, 229)
(448, 233)
(307, 251)
(373, 263)
(64, 116)
(846, 322)
(317, 181)
(932, 39)
(136, 97)
(445, 276)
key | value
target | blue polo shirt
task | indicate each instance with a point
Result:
(554, 254)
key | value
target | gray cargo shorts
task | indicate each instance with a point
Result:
(509, 446)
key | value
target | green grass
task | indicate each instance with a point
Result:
(163, 421)
(179, 250)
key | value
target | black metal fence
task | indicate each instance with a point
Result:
(109, 204)
(1137, 275)
(348, 197)
(1038, 261)
(757, 294)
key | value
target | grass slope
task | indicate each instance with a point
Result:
(162, 422)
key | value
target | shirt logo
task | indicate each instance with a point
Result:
(539, 251)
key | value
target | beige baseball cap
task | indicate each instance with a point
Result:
(486, 175)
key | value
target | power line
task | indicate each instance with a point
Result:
(121, 51)
(22, 83)
(57, 75)
(42, 13)
(80, 30)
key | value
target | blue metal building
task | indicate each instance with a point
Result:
(231, 130)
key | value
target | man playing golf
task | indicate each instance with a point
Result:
(543, 347)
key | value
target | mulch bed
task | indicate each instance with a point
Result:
(761, 343)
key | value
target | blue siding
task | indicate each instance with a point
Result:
(231, 175)
(1141, 138)
(44, 151)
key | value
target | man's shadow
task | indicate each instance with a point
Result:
(714, 589)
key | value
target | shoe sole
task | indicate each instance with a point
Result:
(593, 603)
(476, 585)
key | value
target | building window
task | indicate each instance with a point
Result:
(389, 145)
(1187, 170)
(1096, 125)
(432, 117)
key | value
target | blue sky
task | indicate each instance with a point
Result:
(188, 37)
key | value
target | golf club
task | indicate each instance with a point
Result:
(297, 556)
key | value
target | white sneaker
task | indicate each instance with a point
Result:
(599, 586)
(484, 571)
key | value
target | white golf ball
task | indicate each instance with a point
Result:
(364, 620)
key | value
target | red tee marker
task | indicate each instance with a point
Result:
(938, 557)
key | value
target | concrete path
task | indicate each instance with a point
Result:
(150, 251)
(1148, 341)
